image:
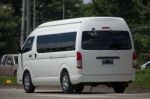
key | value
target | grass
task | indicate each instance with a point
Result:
(4, 80)
(142, 79)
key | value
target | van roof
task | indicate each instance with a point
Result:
(75, 20)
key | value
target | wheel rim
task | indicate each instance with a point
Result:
(27, 82)
(65, 82)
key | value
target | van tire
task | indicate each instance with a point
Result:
(119, 87)
(79, 88)
(65, 83)
(27, 83)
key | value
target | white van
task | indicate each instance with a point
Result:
(76, 52)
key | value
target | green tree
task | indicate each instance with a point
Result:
(87, 10)
(135, 12)
(49, 10)
(104, 7)
(7, 25)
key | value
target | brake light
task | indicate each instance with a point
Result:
(134, 57)
(79, 60)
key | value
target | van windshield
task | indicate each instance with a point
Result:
(106, 40)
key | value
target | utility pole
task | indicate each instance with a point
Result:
(63, 9)
(28, 25)
(22, 23)
(34, 14)
(26, 20)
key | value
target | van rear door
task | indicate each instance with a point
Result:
(107, 52)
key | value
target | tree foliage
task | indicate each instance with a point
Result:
(53, 9)
(135, 12)
(7, 25)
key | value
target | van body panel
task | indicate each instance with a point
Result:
(86, 79)
(93, 61)
(98, 23)
(46, 66)
(121, 62)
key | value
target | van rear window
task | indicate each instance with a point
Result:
(106, 40)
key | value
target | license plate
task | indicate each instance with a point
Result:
(107, 61)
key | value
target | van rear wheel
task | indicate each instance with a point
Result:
(65, 83)
(119, 87)
(27, 83)
(78, 88)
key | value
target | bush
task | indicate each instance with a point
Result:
(142, 78)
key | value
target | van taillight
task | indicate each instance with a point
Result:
(79, 60)
(134, 57)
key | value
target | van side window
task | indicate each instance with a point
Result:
(56, 42)
(28, 45)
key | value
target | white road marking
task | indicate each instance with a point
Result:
(112, 96)
(82, 96)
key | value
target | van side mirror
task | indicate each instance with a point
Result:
(19, 50)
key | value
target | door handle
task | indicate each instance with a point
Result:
(35, 55)
(30, 56)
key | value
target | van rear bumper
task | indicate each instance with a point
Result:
(102, 78)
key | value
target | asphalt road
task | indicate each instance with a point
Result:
(104, 93)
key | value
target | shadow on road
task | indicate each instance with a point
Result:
(130, 90)
(61, 92)
(87, 90)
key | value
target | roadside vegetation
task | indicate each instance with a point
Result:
(8, 80)
(142, 78)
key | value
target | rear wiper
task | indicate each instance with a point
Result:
(115, 46)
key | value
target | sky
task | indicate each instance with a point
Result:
(86, 1)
